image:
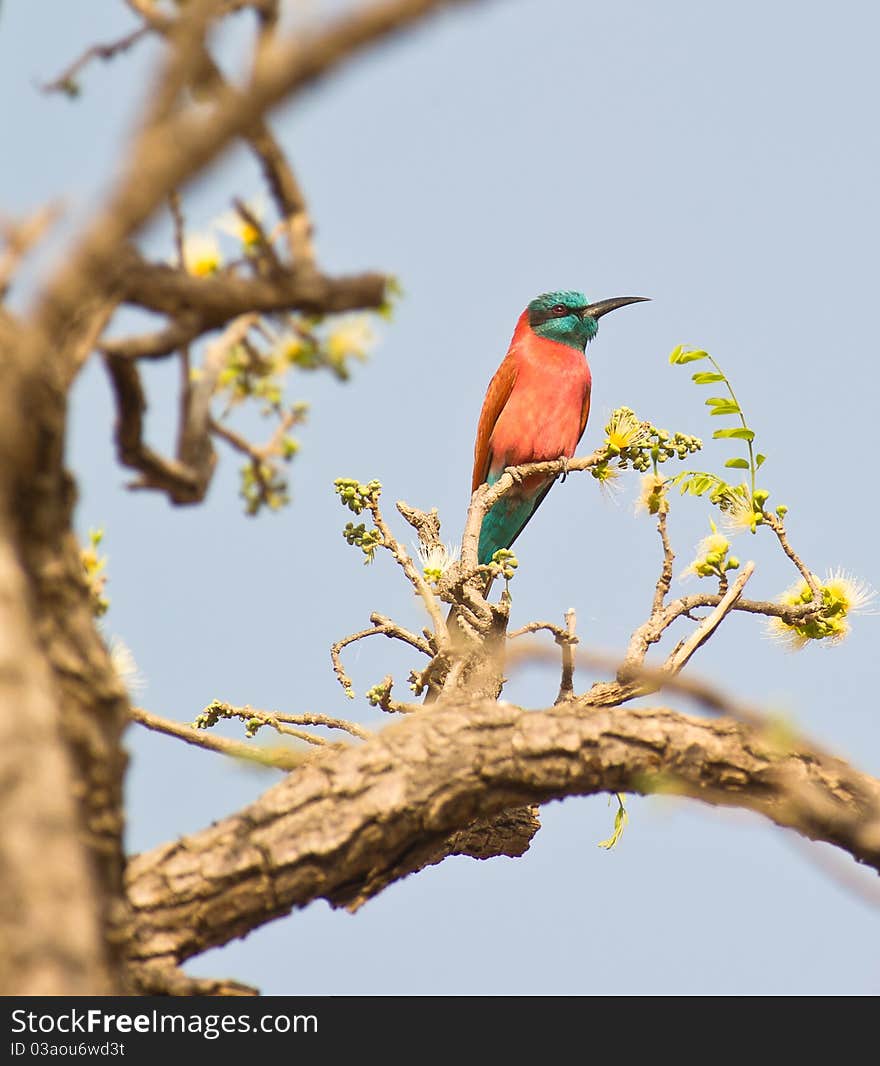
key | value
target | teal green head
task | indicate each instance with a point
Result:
(569, 318)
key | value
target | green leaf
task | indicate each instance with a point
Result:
(723, 405)
(706, 377)
(675, 354)
(759, 460)
(679, 357)
(738, 464)
(740, 433)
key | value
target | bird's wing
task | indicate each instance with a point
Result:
(497, 395)
(585, 413)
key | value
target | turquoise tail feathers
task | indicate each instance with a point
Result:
(503, 524)
(508, 518)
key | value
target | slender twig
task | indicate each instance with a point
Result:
(195, 441)
(179, 480)
(678, 659)
(779, 529)
(277, 758)
(268, 257)
(327, 721)
(558, 632)
(176, 209)
(665, 579)
(566, 684)
(397, 632)
(416, 578)
(235, 440)
(157, 345)
(66, 80)
(381, 627)
(646, 677)
(336, 649)
(651, 631)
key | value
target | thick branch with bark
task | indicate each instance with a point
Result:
(350, 822)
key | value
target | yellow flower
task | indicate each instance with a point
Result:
(738, 514)
(624, 430)
(841, 594)
(233, 224)
(437, 559)
(351, 336)
(201, 255)
(652, 495)
(711, 558)
(857, 595)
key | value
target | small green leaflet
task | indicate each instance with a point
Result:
(723, 405)
(759, 460)
(706, 377)
(738, 464)
(741, 433)
(696, 482)
(679, 356)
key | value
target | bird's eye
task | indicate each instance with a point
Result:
(559, 309)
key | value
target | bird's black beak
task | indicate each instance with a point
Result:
(604, 306)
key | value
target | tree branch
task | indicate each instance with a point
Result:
(350, 821)
(157, 166)
(278, 758)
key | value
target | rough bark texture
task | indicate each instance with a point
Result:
(348, 823)
(50, 921)
(61, 703)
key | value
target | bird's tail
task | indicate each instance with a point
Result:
(507, 519)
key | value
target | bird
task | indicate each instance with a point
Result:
(536, 406)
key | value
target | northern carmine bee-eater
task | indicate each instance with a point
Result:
(537, 405)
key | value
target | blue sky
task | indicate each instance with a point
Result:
(723, 162)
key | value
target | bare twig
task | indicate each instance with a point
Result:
(66, 80)
(328, 722)
(381, 627)
(566, 684)
(157, 345)
(178, 480)
(566, 639)
(665, 579)
(710, 623)
(392, 629)
(194, 442)
(176, 209)
(779, 529)
(536, 627)
(414, 575)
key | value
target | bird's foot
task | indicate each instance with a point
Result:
(564, 467)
